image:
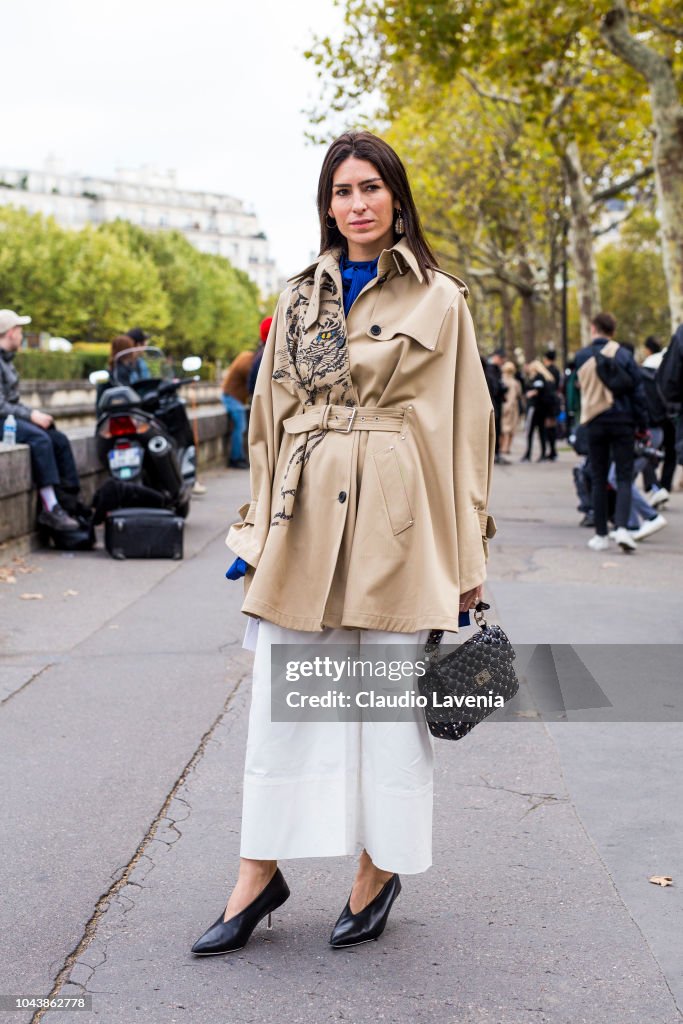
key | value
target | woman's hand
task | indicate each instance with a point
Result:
(471, 598)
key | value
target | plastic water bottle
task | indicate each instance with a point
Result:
(9, 431)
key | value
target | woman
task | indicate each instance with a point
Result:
(122, 368)
(541, 395)
(371, 443)
(511, 407)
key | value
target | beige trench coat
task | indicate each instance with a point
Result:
(371, 442)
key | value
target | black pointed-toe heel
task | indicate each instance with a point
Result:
(368, 923)
(228, 936)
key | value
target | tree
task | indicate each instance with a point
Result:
(213, 307)
(632, 280)
(659, 70)
(78, 284)
(547, 57)
(110, 289)
(36, 257)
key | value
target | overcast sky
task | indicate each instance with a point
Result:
(211, 88)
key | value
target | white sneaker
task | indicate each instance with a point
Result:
(624, 539)
(649, 527)
(613, 533)
(657, 496)
(599, 543)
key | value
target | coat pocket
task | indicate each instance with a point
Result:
(393, 490)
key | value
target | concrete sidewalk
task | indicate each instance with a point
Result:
(122, 733)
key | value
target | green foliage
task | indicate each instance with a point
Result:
(35, 364)
(213, 307)
(488, 176)
(93, 284)
(633, 283)
(36, 259)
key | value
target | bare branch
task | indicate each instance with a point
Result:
(487, 94)
(596, 232)
(648, 19)
(621, 186)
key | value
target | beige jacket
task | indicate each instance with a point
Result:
(595, 397)
(371, 443)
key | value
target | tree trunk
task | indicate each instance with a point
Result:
(667, 116)
(581, 241)
(528, 314)
(506, 304)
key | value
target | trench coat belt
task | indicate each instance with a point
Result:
(344, 418)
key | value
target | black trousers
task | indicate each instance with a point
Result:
(611, 442)
(52, 460)
(536, 422)
(668, 469)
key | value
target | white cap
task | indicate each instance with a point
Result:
(10, 319)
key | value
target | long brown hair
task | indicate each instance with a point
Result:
(119, 344)
(366, 146)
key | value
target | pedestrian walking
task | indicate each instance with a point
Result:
(372, 443)
(541, 404)
(234, 394)
(554, 403)
(494, 378)
(511, 407)
(612, 416)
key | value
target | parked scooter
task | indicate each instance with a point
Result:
(143, 432)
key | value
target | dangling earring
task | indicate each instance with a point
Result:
(327, 222)
(399, 226)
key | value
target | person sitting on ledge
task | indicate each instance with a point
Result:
(52, 460)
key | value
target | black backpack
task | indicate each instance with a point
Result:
(657, 412)
(613, 375)
(670, 372)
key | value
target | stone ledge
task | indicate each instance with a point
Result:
(18, 495)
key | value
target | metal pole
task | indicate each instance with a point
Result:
(565, 326)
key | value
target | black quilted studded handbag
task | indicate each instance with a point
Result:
(466, 686)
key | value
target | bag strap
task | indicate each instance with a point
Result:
(436, 635)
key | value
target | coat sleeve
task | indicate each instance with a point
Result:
(248, 537)
(474, 444)
(9, 403)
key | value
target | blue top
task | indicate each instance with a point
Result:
(355, 274)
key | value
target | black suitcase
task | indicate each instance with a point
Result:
(143, 533)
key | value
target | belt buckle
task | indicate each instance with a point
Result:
(347, 428)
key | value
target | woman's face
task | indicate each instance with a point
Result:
(363, 208)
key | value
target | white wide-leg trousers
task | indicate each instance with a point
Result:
(326, 789)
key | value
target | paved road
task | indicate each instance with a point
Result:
(124, 696)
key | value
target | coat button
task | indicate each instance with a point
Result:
(375, 329)
(342, 496)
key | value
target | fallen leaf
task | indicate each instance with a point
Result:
(526, 714)
(7, 576)
(610, 565)
(31, 597)
(70, 593)
(662, 880)
(21, 566)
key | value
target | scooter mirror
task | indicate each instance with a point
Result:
(99, 376)
(191, 364)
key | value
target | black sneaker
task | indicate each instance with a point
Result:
(58, 519)
(239, 464)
